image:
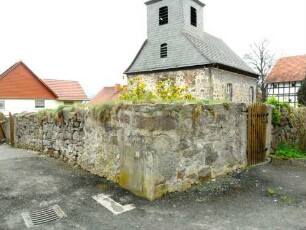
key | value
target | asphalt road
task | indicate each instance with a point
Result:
(270, 196)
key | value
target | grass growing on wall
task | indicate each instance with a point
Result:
(42, 114)
(57, 113)
(102, 111)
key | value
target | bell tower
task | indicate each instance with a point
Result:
(166, 18)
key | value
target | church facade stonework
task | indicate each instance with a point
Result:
(207, 83)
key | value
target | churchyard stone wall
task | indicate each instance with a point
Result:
(148, 149)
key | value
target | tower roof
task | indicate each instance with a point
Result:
(153, 1)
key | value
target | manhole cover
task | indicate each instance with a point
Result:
(43, 216)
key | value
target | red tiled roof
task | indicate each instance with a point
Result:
(66, 90)
(288, 69)
(107, 94)
(19, 82)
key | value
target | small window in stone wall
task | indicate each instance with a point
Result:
(193, 16)
(251, 94)
(229, 92)
(2, 104)
(164, 50)
(39, 104)
(163, 15)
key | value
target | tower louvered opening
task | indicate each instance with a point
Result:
(193, 16)
(163, 15)
(164, 50)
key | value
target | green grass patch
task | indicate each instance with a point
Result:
(289, 151)
(271, 192)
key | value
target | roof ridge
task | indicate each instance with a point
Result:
(5, 73)
(51, 79)
(294, 56)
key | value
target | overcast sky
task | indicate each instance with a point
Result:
(94, 41)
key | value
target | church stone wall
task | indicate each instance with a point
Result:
(241, 85)
(205, 83)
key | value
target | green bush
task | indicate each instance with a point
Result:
(289, 151)
(302, 94)
(276, 111)
(165, 91)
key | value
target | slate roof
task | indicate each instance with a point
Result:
(66, 90)
(216, 51)
(154, 1)
(288, 69)
(106, 94)
(213, 52)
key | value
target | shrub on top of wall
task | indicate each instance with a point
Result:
(165, 91)
(276, 111)
(302, 94)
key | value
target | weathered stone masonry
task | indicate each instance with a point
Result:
(206, 83)
(148, 149)
(292, 128)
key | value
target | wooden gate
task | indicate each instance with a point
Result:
(2, 128)
(12, 130)
(256, 137)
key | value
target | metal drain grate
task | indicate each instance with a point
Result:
(43, 216)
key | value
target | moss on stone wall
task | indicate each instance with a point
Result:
(291, 128)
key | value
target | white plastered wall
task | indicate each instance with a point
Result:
(26, 105)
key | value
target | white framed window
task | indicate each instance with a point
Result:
(251, 94)
(39, 104)
(2, 104)
(229, 92)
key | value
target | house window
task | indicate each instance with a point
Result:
(164, 50)
(229, 92)
(274, 85)
(2, 104)
(163, 15)
(193, 16)
(293, 84)
(251, 94)
(39, 104)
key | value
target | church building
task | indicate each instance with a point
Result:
(177, 48)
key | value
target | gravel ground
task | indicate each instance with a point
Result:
(269, 196)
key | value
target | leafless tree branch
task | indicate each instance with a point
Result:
(261, 59)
